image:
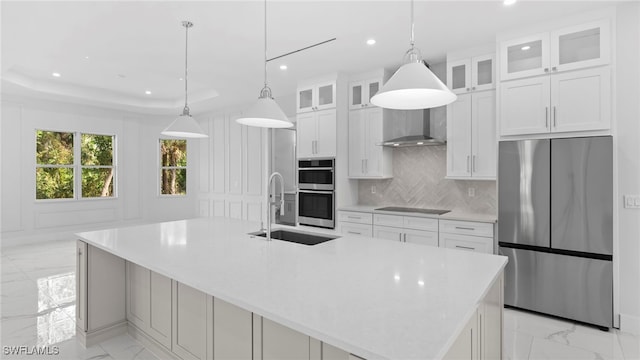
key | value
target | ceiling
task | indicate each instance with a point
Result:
(110, 52)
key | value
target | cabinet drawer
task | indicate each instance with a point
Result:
(355, 217)
(356, 229)
(388, 220)
(466, 228)
(421, 223)
(469, 243)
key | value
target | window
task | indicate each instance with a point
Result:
(62, 155)
(173, 167)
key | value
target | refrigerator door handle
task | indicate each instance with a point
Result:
(468, 166)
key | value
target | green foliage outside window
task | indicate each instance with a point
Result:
(173, 174)
(56, 165)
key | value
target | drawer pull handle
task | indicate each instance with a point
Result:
(464, 228)
(354, 217)
(465, 247)
(353, 232)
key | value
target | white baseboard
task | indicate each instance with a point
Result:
(98, 336)
(630, 324)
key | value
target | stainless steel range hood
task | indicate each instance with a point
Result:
(411, 128)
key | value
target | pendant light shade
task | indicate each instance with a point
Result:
(185, 125)
(265, 112)
(413, 86)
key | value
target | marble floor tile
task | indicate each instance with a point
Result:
(543, 349)
(516, 345)
(630, 345)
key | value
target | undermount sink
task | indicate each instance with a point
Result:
(296, 237)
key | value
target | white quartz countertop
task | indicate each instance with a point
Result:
(377, 299)
(452, 215)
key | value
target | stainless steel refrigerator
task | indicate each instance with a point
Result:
(555, 223)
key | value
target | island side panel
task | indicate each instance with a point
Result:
(101, 310)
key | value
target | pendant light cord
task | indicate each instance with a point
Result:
(412, 40)
(265, 43)
(186, 59)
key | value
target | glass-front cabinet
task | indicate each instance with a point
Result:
(570, 48)
(361, 92)
(471, 74)
(316, 97)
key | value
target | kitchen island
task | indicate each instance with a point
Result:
(367, 297)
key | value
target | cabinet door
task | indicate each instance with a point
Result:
(374, 157)
(232, 331)
(325, 96)
(581, 46)
(357, 95)
(333, 353)
(459, 137)
(421, 237)
(305, 99)
(459, 76)
(138, 291)
(524, 106)
(387, 233)
(160, 309)
(189, 322)
(528, 56)
(81, 285)
(370, 89)
(282, 343)
(357, 138)
(326, 130)
(483, 72)
(356, 229)
(483, 130)
(581, 100)
(468, 243)
(306, 135)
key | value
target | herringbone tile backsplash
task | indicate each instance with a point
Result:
(419, 181)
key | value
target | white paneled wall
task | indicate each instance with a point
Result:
(24, 219)
(232, 169)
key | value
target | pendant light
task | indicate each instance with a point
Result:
(265, 112)
(413, 86)
(185, 125)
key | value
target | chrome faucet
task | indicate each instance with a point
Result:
(269, 202)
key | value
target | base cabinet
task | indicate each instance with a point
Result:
(149, 303)
(232, 331)
(192, 314)
(281, 343)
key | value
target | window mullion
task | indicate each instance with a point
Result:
(77, 164)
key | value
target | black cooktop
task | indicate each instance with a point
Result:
(414, 210)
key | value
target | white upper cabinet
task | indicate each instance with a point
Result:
(564, 102)
(471, 74)
(316, 134)
(361, 92)
(471, 140)
(320, 96)
(570, 48)
(367, 159)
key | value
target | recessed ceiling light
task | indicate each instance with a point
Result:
(526, 47)
(283, 67)
(55, 74)
(421, 282)
(147, 92)
(181, 79)
(509, 2)
(371, 41)
(86, 57)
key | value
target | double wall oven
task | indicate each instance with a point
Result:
(316, 192)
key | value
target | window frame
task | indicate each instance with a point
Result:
(161, 168)
(77, 167)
